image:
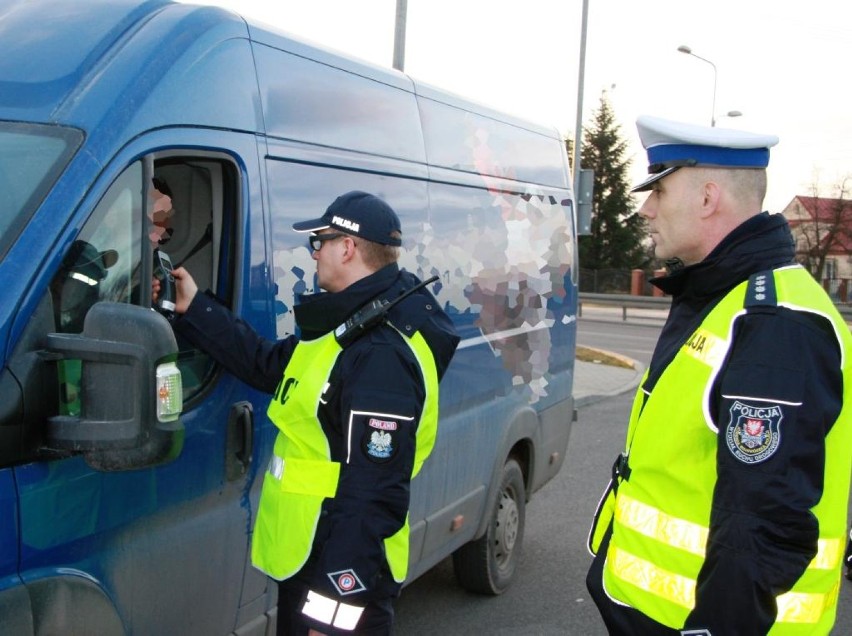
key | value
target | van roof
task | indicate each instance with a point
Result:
(96, 62)
(53, 50)
(123, 67)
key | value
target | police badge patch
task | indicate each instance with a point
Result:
(753, 433)
(379, 440)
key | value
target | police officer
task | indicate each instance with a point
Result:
(74, 290)
(356, 418)
(726, 513)
(76, 286)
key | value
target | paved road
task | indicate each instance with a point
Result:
(549, 595)
(632, 339)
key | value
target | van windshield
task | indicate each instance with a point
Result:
(32, 156)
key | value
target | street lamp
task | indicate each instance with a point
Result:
(688, 51)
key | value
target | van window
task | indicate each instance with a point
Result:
(31, 158)
(101, 262)
(185, 211)
(197, 232)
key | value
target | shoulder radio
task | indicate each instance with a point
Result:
(370, 315)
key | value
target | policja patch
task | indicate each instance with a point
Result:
(753, 433)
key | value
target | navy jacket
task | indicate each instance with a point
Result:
(762, 533)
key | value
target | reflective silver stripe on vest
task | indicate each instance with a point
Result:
(276, 467)
(652, 522)
(692, 537)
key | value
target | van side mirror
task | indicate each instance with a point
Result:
(130, 389)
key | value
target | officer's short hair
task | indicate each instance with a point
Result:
(376, 255)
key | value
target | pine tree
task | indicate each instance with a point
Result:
(618, 232)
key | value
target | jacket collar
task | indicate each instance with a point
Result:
(762, 242)
(317, 314)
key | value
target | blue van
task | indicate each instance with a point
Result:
(130, 464)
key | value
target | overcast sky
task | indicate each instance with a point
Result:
(785, 66)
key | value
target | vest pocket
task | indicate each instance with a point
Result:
(284, 530)
(307, 476)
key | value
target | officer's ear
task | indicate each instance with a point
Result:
(351, 245)
(711, 196)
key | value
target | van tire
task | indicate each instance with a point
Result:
(487, 565)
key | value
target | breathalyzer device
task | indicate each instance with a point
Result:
(165, 302)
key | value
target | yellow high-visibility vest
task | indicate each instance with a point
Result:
(301, 473)
(660, 515)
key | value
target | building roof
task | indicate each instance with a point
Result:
(827, 213)
(824, 209)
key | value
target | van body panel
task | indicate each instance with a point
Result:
(460, 139)
(440, 95)
(157, 61)
(554, 438)
(301, 47)
(257, 130)
(38, 80)
(441, 529)
(305, 100)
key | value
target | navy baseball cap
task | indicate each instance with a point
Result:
(359, 214)
(84, 258)
(672, 144)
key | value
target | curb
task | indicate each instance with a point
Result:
(637, 366)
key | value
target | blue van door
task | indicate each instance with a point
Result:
(164, 548)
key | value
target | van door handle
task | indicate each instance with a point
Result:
(240, 439)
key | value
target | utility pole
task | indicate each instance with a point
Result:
(399, 35)
(583, 179)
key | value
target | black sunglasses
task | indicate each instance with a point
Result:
(316, 240)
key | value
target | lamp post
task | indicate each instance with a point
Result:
(688, 51)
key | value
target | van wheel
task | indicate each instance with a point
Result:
(487, 565)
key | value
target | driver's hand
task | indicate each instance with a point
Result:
(185, 289)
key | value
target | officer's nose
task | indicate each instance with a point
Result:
(647, 209)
